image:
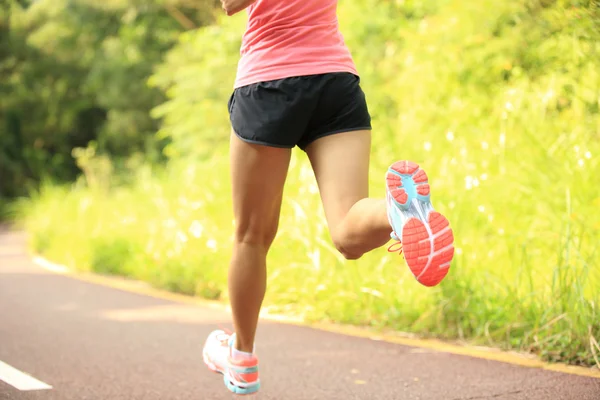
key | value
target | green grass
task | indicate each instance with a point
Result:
(498, 102)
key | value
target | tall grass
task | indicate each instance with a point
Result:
(498, 102)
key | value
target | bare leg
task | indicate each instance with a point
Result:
(258, 175)
(358, 224)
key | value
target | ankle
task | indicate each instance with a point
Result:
(241, 355)
(242, 347)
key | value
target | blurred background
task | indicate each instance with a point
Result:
(113, 158)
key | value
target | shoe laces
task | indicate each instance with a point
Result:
(229, 333)
(397, 246)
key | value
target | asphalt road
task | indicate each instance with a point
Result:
(94, 342)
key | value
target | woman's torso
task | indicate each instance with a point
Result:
(292, 38)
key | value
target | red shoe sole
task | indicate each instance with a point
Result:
(427, 238)
(428, 252)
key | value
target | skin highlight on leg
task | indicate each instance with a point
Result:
(357, 223)
(258, 176)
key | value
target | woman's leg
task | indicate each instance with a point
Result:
(358, 224)
(266, 121)
(257, 176)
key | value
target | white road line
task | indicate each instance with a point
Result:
(20, 380)
(57, 268)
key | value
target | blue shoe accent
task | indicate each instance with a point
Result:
(410, 187)
(239, 390)
(416, 206)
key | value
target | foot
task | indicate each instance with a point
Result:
(426, 237)
(240, 375)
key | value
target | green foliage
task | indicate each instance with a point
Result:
(197, 77)
(497, 100)
(72, 72)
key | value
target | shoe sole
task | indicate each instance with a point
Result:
(228, 383)
(427, 238)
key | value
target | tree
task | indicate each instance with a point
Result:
(76, 71)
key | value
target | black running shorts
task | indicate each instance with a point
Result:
(296, 111)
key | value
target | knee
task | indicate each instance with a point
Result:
(255, 235)
(346, 249)
(351, 256)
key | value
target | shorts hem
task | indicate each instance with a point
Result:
(261, 143)
(334, 132)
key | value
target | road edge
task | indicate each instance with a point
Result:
(491, 354)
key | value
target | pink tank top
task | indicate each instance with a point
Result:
(286, 38)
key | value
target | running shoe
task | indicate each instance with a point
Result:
(424, 235)
(240, 376)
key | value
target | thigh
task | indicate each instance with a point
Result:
(258, 176)
(341, 166)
